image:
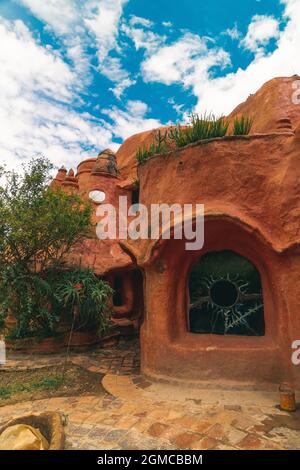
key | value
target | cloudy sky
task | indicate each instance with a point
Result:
(79, 76)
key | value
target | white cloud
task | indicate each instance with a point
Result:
(185, 61)
(25, 66)
(80, 25)
(223, 94)
(36, 91)
(103, 18)
(37, 113)
(60, 15)
(132, 120)
(260, 31)
(103, 21)
(143, 39)
(137, 20)
(112, 69)
(188, 60)
(233, 33)
(178, 108)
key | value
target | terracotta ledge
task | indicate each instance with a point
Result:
(226, 138)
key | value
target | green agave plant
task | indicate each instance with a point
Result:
(242, 125)
(200, 128)
(82, 294)
(159, 146)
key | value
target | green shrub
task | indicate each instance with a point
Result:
(30, 297)
(242, 125)
(159, 146)
(199, 128)
(179, 135)
(83, 297)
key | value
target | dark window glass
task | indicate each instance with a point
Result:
(118, 292)
(226, 296)
(135, 196)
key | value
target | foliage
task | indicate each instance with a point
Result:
(38, 227)
(159, 146)
(199, 128)
(30, 298)
(82, 294)
(242, 125)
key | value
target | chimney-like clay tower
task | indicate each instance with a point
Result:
(59, 178)
(70, 182)
(104, 176)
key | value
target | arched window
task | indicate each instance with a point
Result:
(225, 296)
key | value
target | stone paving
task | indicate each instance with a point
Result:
(138, 414)
(123, 357)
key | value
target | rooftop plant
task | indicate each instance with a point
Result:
(242, 125)
(204, 127)
(199, 128)
(159, 146)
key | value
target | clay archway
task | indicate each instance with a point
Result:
(170, 349)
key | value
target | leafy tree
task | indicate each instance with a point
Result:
(38, 227)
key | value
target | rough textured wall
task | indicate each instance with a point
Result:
(252, 202)
(271, 104)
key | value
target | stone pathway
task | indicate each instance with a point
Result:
(122, 358)
(138, 414)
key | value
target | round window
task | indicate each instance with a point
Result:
(97, 196)
(224, 293)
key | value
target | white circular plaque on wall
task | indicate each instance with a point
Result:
(97, 196)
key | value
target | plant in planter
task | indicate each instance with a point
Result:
(158, 146)
(242, 125)
(199, 128)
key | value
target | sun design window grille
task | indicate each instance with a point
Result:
(226, 296)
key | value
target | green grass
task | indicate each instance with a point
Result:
(199, 128)
(5, 392)
(40, 384)
(158, 146)
(242, 125)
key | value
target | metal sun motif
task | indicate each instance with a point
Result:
(228, 307)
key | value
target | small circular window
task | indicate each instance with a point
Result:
(224, 293)
(97, 196)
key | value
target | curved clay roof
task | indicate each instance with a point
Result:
(271, 107)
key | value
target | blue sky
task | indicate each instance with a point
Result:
(80, 76)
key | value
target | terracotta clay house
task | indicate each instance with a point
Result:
(229, 312)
